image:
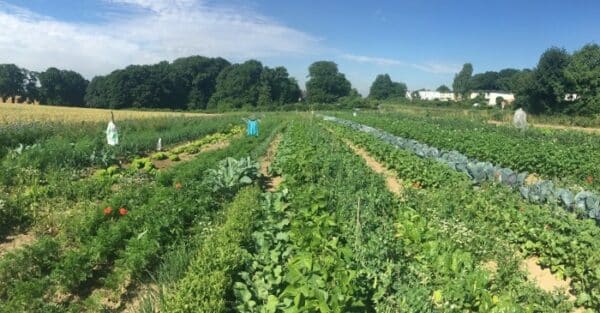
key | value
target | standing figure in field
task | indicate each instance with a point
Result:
(252, 126)
(112, 134)
(520, 119)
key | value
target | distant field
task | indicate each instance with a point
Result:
(25, 112)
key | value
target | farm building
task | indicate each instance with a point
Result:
(435, 95)
(491, 96)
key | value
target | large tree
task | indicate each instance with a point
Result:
(326, 84)
(238, 86)
(62, 87)
(583, 73)
(461, 84)
(543, 90)
(484, 81)
(443, 88)
(384, 88)
(11, 81)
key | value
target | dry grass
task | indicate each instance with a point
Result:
(10, 113)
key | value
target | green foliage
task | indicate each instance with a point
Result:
(384, 88)
(583, 72)
(326, 84)
(543, 90)
(443, 88)
(11, 81)
(250, 84)
(62, 87)
(208, 279)
(461, 84)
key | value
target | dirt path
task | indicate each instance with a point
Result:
(391, 178)
(15, 242)
(271, 182)
(551, 126)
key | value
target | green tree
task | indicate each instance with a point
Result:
(326, 84)
(461, 84)
(384, 88)
(62, 87)
(544, 89)
(484, 81)
(238, 86)
(443, 88)
(507, 79)
(583, 73)
(11, 82)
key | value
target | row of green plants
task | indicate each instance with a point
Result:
(29, 191)
(496, 219)
(334, 240)
(79, 145)
(568, 157)
(105, 247)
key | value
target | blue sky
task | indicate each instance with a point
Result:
(420, 42)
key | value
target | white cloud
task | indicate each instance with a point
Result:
(372, 60)
(146, 32)
(434, 68)
(437, 68)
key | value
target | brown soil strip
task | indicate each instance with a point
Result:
(271, 182)
(16, 242)
(552, 126)
(544, 279)
(135, 300)
(391, 179)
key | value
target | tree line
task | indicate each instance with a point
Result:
(190, 83)
(561, 82)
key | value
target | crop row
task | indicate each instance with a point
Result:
(22, 203)
(586, 204)
(104, 248)
(569, 158)
(335, 240)
(496, 218)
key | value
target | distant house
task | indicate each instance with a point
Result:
(491, 96)
(571, 97)
(435, 95)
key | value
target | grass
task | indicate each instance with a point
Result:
(10, 113)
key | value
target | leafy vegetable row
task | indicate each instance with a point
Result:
(497, 221)
(567, 157)
(584, 203)
(338, 241)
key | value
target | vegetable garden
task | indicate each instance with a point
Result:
(296, 219)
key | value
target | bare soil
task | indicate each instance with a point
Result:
(391, 179)
(271, 182)
(544, 279)
(15, 242)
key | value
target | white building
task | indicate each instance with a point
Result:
(435, 95)
(491, 96)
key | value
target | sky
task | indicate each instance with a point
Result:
(422, 43)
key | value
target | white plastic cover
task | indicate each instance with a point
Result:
(520, 119)
(112, 134)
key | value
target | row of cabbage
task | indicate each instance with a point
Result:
(494, 223)
(568, 157)
(585, 203)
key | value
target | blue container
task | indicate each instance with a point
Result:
(252, 128)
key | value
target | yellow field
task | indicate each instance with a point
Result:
(10, 113)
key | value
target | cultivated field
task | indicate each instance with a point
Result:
(35, 113)
(393, 212)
